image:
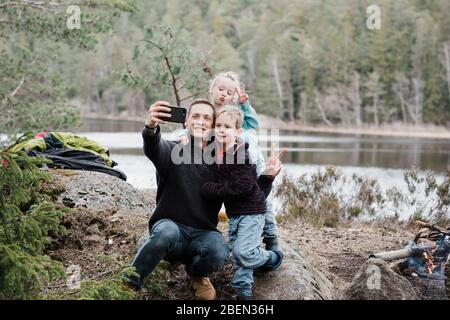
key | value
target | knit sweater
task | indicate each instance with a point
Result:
(238, 186)
(178, 195)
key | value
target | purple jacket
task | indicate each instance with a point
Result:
(238, 186)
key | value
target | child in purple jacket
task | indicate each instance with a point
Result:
(244, 196)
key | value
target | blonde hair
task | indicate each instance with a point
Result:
(232, 112)
(233, 76)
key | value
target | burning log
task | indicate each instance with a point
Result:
(426, 265)
(400, 254)
(429, 231)
(432, 262)
(433, 227)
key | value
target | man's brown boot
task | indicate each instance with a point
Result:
(204, 290)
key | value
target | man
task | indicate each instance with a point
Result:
(183, 225)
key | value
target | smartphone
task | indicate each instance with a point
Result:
(178, 114)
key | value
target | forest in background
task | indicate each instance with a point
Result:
(313, 61)
(308, 60)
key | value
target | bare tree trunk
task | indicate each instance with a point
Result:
(252, 69)
(375, 109)
(343, 111)
(322, 112)
(375, 88)
(339, 98)
(357, 99)
(412, 114)
(304, 108)
(402, 106)
(400, 88)
(418, 100)
(278, 83)
(290, 102)
(447, 66)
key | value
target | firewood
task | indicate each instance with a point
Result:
(399, 254)
(432, 227)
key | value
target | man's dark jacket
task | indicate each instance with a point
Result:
(178, 196)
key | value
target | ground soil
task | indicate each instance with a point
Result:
(337, 252)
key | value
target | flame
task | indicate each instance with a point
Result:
(430, 264)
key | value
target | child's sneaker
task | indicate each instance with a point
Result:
(276, 257)
(245, 293)
(271, 243)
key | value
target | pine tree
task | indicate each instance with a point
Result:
(28, 218)
(33, 96)
(167, 62)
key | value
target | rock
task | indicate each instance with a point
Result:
(295, 279)
(97, 191)
(375, 280)
(427, 288)
(92, 194)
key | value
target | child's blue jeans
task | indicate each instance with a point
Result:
(244, 234)
(270, 225)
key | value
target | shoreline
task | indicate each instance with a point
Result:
(388, 130)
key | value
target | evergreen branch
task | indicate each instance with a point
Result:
(192, 95)
(169, 68)
(154, 44)
(45, 6)
(138, 77)
(36, 5)
(17, 88)
(106, 272)
(12, 94)
(174, 81)
(101, 274)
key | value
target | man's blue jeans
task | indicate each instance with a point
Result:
(202, 251)
(244, 233)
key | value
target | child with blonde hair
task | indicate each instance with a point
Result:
(243, 194)
(226, 89)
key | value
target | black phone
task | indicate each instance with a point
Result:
(178, 114)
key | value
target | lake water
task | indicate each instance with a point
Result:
(382, 158)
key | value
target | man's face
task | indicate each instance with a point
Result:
(200, 121)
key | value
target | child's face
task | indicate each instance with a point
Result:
(223, 92)
(225, 130)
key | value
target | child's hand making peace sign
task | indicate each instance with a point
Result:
(243, 97)
(273, 163)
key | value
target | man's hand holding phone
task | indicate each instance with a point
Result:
(159, 113)
(162, 112)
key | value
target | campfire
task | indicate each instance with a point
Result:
(425, 257)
